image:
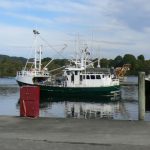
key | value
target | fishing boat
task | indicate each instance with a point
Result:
(33, 73)
(79, 79)
(82, 79)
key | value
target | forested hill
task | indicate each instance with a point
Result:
(10, 65)
(2, 57)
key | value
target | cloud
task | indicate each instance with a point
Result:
(134, 13)
(19, 41)
(114, 26)
(30, 18)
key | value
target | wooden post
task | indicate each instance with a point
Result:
(141, 95)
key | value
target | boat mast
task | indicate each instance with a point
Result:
(40, 57)
(36, 33)
(98, 65)
(85, 65)
(82, 60)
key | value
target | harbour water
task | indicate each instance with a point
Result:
(124, 108)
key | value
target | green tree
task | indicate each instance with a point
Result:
(130, 59)
(141, 58)
(104, 63)
(118, 61)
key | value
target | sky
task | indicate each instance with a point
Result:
(107, 27)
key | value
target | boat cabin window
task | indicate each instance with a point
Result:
(72, 78)
(109, 76)
(76, 72)
(87, 77)
(92, 76)
(68, 72)
(103, 76)
(83, 77)
(80, 77)
(98, 77)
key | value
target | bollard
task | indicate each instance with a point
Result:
(141, 95)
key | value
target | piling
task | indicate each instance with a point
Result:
(141, 95)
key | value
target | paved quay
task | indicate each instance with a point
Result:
(72, 134)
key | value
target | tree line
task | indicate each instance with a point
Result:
(137, 64)
(10, 65)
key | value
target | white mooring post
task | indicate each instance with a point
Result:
(141, 95)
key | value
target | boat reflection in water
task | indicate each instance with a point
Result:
(91, 110)
(79, 108)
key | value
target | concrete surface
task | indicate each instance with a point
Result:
(72, 134)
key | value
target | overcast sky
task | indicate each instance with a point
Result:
(108, 27)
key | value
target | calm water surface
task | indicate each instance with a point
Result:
(125, 108)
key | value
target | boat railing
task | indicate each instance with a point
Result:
(115, 79)
(36, 73)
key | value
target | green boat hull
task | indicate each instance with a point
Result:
(79, 92)
(85, 93)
